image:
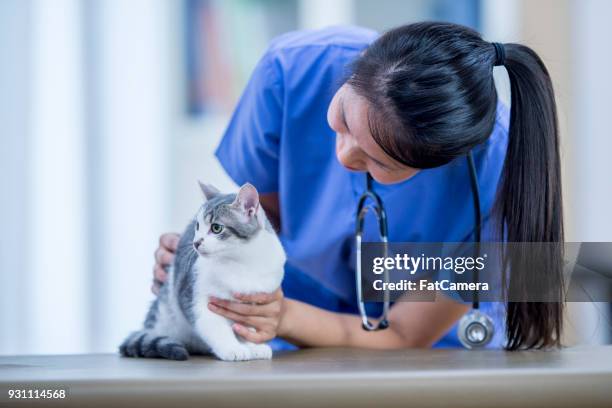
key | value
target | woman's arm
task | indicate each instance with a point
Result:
(412, 324)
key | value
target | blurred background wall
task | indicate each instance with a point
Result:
(111, 109)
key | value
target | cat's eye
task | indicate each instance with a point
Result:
(197, 226)
(216, 228)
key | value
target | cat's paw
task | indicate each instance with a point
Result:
(237, 353)
(260, 351)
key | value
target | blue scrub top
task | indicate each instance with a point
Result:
(279, 140)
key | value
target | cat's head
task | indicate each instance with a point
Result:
(225, 222)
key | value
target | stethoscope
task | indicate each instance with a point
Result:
(475, 329)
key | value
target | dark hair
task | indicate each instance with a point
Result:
(432, 99)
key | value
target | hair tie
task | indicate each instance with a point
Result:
(500, 54)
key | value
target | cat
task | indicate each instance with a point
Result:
(229, 247)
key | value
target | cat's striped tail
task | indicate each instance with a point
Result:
(143, 343)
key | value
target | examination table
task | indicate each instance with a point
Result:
(573, 377)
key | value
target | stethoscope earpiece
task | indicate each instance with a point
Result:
(475, 329)
(384, 324)
(369, 326)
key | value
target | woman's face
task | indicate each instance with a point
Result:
(355, 148)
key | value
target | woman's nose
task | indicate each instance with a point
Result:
(349, 153)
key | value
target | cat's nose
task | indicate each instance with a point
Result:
(197, 243)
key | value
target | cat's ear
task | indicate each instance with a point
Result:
(247, 199)
(208, 191)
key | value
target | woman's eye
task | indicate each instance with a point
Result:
(216, 228)
(197, 226)
(382, 166)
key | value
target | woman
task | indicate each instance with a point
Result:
(324, 107)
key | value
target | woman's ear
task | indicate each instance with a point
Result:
(247, 199)
(208, 191)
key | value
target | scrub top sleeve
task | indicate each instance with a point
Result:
(249, 149)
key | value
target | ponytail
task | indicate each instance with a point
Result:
(529, 202)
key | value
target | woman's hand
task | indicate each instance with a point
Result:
(164, 256)
(260, 311)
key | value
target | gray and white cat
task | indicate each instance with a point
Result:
(229, 247)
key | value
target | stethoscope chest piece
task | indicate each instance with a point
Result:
(475, 329)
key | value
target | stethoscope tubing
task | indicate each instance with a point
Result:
(381, 216)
